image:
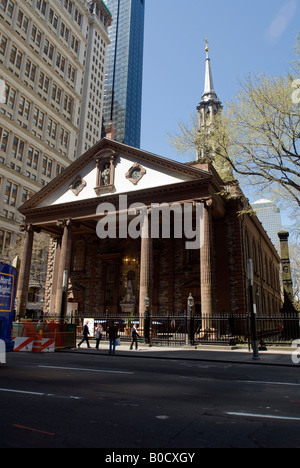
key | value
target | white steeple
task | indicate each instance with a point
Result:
(210, 103)
(209, 110)
(209, 92)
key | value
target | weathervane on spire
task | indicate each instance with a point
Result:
(206, 48)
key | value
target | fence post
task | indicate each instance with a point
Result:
(147, 326)
(190, 321)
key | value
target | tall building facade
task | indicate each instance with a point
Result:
(124, 71)
(270, 217)
(92, 91)
(52, 65)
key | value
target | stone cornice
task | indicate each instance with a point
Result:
(86, 209)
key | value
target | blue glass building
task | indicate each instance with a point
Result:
(124, 70)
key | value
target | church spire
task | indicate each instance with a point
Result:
(209, 92)
(209, 111)
(210, 103)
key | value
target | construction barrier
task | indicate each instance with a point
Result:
(37, 344)
(23, 344)
(62, 335)
(48, 345)
(43, 345)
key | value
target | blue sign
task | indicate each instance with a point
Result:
(8, 285)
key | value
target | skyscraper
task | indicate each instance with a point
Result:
(124, 70)
(52, 65)
(270, 217)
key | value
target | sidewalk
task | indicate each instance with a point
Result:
(272, 357)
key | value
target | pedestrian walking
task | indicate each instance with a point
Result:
(85, 332)
(134, 337)
(113, 335)
(98, 335)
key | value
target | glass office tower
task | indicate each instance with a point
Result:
(124, 70)
(270, 217)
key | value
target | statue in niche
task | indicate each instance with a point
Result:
(106, 175)
(129, 300)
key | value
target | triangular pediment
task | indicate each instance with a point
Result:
(110, 168)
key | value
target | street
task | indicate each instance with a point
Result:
(74, 400)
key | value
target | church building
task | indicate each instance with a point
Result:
(126, 225)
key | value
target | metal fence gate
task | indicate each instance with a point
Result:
(227, 329)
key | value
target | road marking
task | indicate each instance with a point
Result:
(263, 416)
(51, 395)
(33, 430)
(102, 371)
(21, 391)
(269, 383)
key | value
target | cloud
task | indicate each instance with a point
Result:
(281, 21)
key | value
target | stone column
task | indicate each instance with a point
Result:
(145, 265)
(286, 272)
(64, 265)
(206, 267)
(24, 275)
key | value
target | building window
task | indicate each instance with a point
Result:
(52, 128)
(47, 166)
(16, 57)
(3, 139)
(30, 70)
(22, 21)
(9, 96)
(7, 7)
(78, 17)
(38, 118)
(41, 5)
(5, 240)
(53, 18)
(36, 36)
(33, 158)
(3, 44)
(64, 138)
(71, 73)
(11, 193)
(25, 195)
(24, 108)
(18, 148)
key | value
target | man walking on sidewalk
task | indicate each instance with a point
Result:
(85, 332)
(134, 337)
(113, 335)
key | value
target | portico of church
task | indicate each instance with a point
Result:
(100, 274)
(92, 275)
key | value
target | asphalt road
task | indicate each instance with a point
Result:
(74, 400)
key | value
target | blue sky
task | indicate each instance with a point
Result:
(254, 36)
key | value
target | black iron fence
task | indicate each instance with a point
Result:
(226, 329)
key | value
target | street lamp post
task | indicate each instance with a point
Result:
(190, 321)
(147, 321)
(64, 297)
(253, 313)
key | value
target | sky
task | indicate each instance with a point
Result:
(256, 36)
